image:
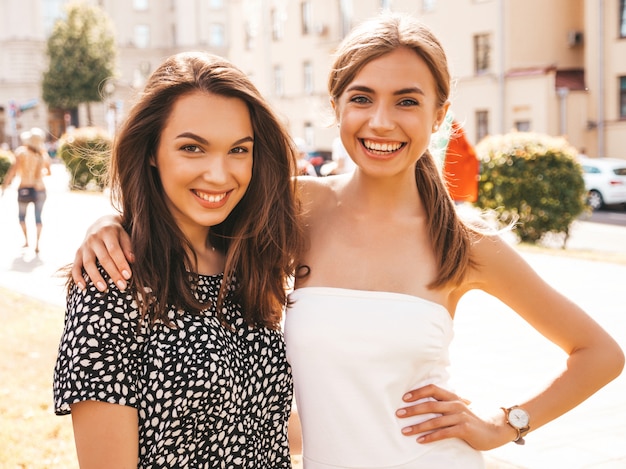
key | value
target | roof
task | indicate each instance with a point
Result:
(573, 80)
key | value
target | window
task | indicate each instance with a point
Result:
(307, 17)
(142, 36)
(622, 97)
(482, 53)
(277, 25)
(279, 85)
(140, 5)
(216, 35)
(140, 74)
(429, 5)
(522, 126)
(249, 37)
(622, 18)
(482, 125)
(309, 134)
(307, 72)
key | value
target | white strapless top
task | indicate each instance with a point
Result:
(354, 354)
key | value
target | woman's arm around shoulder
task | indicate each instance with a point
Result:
(317, 192)
(594, 357)
(108, 243)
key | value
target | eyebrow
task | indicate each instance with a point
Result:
(366, 89)
(204, 141)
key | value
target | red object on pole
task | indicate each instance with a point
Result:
(461, 168)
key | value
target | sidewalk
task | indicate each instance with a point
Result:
(497, 358)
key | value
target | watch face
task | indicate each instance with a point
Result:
(518, 418)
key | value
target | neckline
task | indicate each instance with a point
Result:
(377, 293)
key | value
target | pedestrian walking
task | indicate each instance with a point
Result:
(32, 163)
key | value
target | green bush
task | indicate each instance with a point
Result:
(6, 160)
(86, 152)
(534, 179)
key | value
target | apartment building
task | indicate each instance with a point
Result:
(556, 67)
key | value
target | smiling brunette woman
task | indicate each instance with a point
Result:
(187, 368)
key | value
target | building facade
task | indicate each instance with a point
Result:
(556, 67)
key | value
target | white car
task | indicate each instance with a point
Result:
(605, 181)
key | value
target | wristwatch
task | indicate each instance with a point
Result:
(519, 419)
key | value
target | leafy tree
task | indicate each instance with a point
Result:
(82, 55)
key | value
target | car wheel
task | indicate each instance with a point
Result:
(594, 199)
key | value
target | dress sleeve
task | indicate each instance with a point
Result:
(99, 354)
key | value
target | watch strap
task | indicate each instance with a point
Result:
(521, 432)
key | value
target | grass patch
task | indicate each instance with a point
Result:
(31, 436)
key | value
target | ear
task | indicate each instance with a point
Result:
(333, 104)
(440, 115)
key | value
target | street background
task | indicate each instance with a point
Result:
(497, 358)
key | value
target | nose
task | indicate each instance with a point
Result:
(215, 169)
(381, 119)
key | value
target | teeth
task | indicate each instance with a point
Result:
(212, 198)
(386, 147)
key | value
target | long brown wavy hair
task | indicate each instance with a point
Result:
(450, 237)
(260, 237)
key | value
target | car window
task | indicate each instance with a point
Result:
(620, 171)
(591, 169)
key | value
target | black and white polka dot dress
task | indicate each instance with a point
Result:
(207, 396)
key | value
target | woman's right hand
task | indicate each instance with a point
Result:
(107, 242)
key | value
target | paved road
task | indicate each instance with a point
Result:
(497, 358)
(66, 217)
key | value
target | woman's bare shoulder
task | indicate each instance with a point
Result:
(319, 189)
(496, 263)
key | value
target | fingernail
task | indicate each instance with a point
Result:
(121, 285)
(101, 286)
(400, 412)
(126, 274)
(406, 430)
(421, 439)
(407, 396)
(81, 286)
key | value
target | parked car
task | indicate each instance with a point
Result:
(605, 181)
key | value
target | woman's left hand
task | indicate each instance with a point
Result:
(453, 419)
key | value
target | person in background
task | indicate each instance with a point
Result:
(305, 168)
(187, 367)
(386, 261)
(32, 163)
(340, 163)
(461, 168)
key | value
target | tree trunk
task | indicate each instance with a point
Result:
(89, 117)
